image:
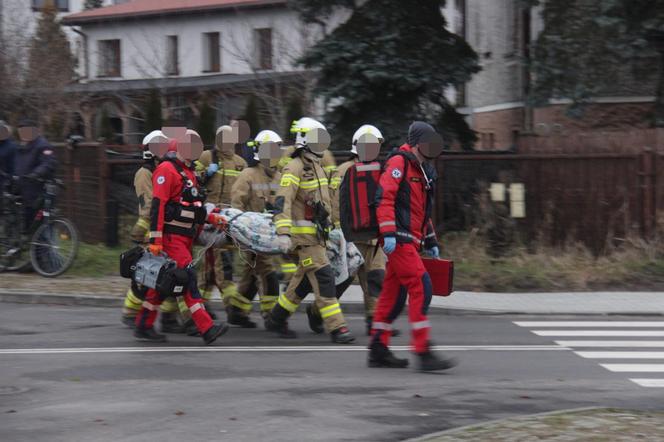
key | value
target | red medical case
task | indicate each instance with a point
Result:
(441, 272)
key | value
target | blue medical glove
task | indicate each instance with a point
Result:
(432, 252)
(389, 244)
(212, 169)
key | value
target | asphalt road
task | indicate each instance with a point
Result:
(75, 373)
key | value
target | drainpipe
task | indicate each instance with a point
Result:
(86, 69)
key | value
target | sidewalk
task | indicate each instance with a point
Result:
(109, 291)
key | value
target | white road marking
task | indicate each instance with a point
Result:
(617, 324)
(42, 351)
(610, 329)
(621, 354)
(640, 333)
(641, 368)
(620, 344)
(649, 382)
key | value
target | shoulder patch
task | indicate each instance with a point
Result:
(396, 173)
(161, 180)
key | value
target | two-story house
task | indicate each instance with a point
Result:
(217, 51)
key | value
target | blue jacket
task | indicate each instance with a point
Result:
(7, 154)
(37, 159)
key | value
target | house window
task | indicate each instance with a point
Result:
(61, 5)
(263, 45)
(172, 67)
(211, 56)
(109, 58)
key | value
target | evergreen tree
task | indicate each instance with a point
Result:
(590, 48)
(387, 65)
(93, 4)
(251, 115)
(153, 113)
(206, 123)
(50, 65)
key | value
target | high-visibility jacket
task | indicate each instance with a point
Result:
(143, 188)
(329, 163)
(303, 184)
(220, 184)
(255, 189)
(405, 196)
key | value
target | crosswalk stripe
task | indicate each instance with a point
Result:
(641, 368)
(649, 382)
(640, 333)
(628, 348)
(618, 344)
(621, 354)
(617, 324)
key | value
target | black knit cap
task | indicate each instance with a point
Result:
(418, 130)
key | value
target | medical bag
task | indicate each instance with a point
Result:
(441, 272)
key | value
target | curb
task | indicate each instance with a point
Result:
(452, 431)
(94, 300)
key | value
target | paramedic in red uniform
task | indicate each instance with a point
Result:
(405, 199)
(175, 219)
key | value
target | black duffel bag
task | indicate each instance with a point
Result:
(128, 261)
(172, 281)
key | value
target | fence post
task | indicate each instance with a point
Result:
(103, 189)
(647, 181)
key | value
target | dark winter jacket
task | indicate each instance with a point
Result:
(34, 161)
(7, 154)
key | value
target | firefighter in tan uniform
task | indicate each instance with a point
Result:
(286, 265)
(218, 170)
(372, 272)
(139, 235)
(302, 218)
(255, 191)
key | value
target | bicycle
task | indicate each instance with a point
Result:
(49, 245)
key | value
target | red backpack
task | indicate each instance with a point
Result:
(357, 201)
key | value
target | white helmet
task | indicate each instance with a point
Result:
(304, 126)
(265, 136)
(154, 136)
(270, 142)
(154, 145)
(365, 129)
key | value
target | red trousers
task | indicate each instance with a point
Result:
(178, 248)
(405, 277)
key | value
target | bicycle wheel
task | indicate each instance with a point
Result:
(54, 247)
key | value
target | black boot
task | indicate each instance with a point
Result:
(430, 362)
(381, 356)
(129, 320)
(214, 332)
(190, 328)
(342, 336)
(315, 321)
(236, 317)
(280, 328)
(148, 335)
(170, 324)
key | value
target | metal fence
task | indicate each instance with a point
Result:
(596, 198)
